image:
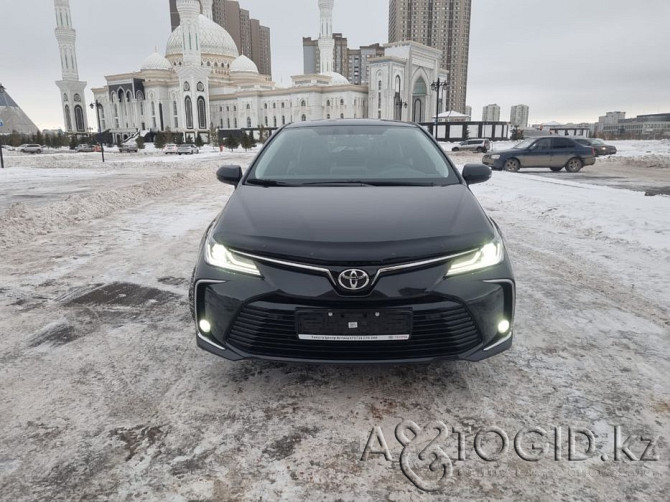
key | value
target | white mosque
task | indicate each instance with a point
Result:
(202, 83)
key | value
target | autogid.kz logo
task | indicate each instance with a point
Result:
(426, 461)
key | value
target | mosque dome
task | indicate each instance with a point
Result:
(243, 65)
(214, 40)
(336, 78)
(156, 62)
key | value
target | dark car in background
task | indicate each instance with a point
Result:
(554, 152)
(598, 145)
(353, 241)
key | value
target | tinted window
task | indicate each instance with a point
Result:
(563, 143)
(353, 152)
(542, 145)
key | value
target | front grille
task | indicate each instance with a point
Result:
(266, 331)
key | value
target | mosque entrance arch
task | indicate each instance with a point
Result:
(419, 94)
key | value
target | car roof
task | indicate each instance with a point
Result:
(349, 122)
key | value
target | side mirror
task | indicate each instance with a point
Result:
(231, 175)
(476, 173)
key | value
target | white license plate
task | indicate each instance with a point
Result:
(354, 338)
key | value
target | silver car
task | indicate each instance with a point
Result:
(475, 145)
(30, 148)
(187, 149)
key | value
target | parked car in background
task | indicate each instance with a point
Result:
(187, 149)
(171, 148)
(600, 147)
(128, 147)
(30, 148)
(554, 152)
(85, 148)
(476, 145)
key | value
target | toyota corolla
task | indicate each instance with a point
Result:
(353, 241)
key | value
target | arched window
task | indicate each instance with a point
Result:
(248, 106)
(201, 87)
(328, 116)
(188, 106)
(328, 103)
(379, 85)
(202, 113)
(274, 121)
(265, 106)
(249, 122)
(235, 122)
(341, 115)
(128, 96)
(187, 86)
(120, 94)
(341, 102)
(303, 118)
(283, 119)
(397, 83)
(282, 105)
(68, 119)
(302, 103)
(175, 114)
(274, 105)
(79, 118)
(65, 98)
(266, 121)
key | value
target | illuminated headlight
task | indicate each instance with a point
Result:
(488, 255)
(218, 255)
(494, 157)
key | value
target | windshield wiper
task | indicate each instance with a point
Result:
(371, 183)
(269, 183)
(339, 182)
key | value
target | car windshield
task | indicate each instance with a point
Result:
(524, 144)
(598, 142)
(352, 154)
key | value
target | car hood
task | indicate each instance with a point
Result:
(353, 224)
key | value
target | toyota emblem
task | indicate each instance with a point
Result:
(354, 279)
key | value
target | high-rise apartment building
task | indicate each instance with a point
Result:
(518, 116)
(252, 38)
(444, 25)
(491, 113)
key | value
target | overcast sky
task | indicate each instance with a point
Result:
(569, 60)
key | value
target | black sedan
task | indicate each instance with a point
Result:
(353, 241)
(598, 145)
(554, 152)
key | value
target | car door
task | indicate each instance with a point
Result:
(538, 154)
(562, 151)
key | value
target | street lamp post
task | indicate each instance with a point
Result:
(437, 87)
(97, 105)
(2, 159)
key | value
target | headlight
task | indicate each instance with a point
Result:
(494, 157)
(486, 256)
(218, 255)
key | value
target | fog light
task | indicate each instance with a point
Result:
(503, 326)
(205, 327)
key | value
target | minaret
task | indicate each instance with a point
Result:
(207, 8)
(72, 89)
(326, 42)
(189, 10)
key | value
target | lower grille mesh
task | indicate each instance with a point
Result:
(272, 332)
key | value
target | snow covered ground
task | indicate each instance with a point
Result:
(105, 396)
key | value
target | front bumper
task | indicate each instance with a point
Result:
(453, 318)
(496, 164)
